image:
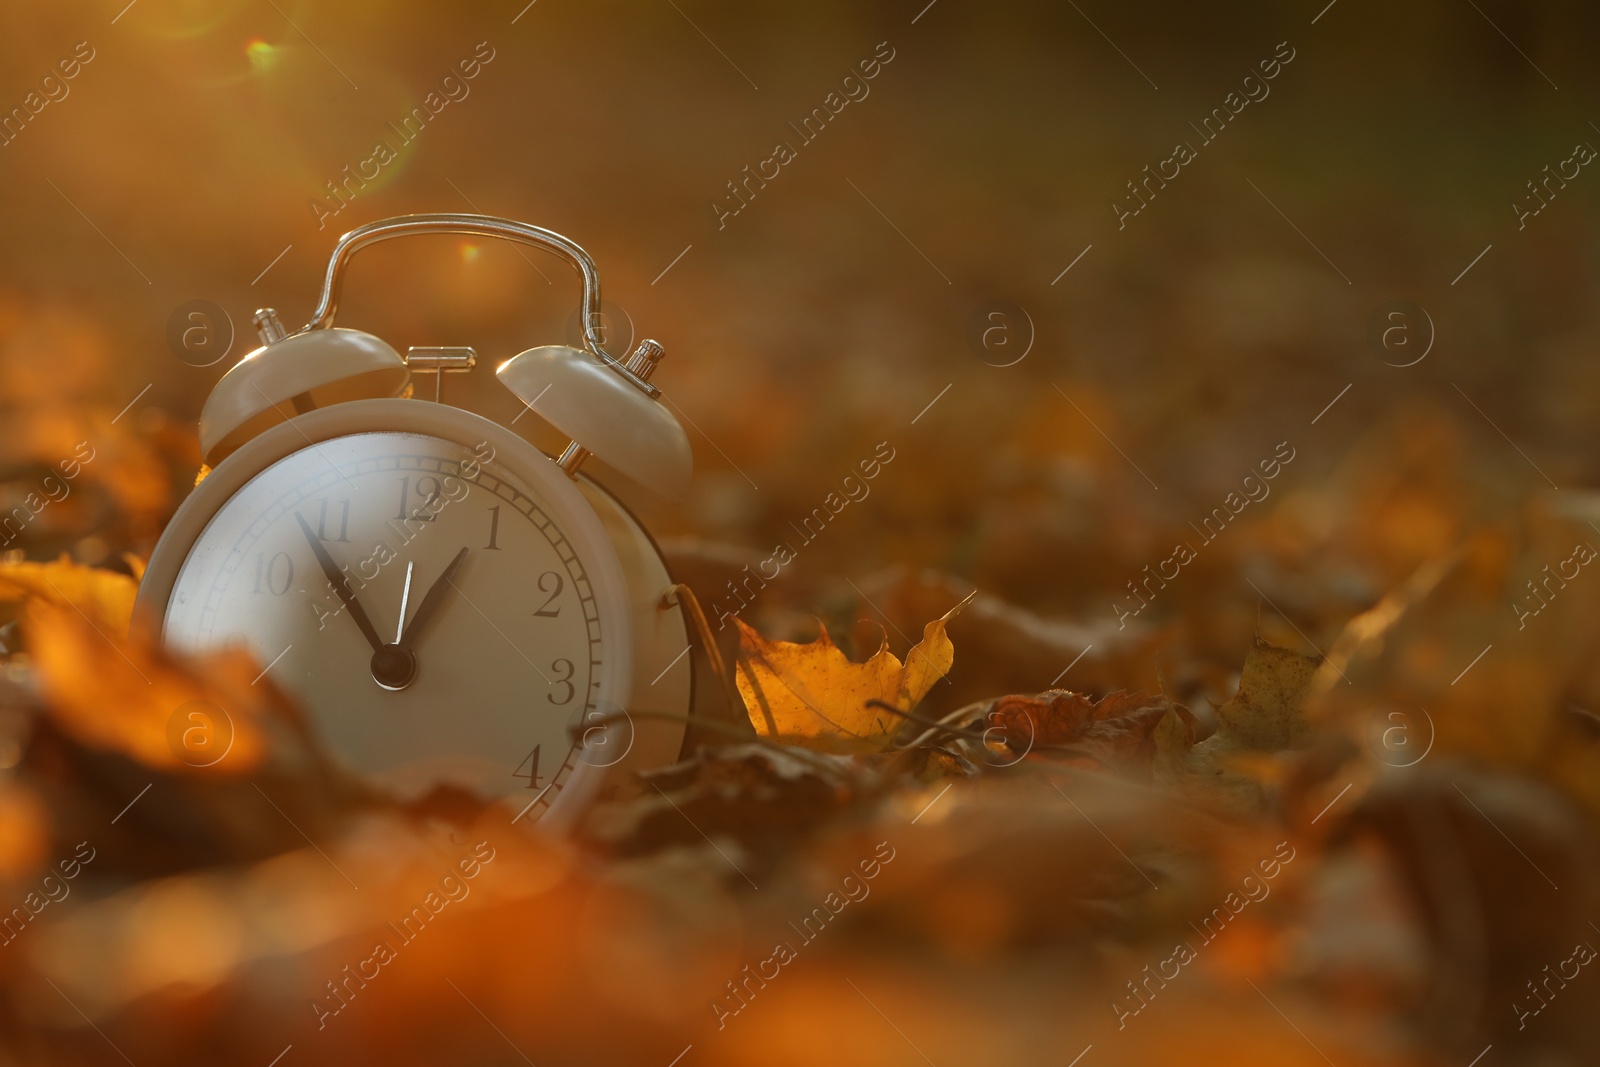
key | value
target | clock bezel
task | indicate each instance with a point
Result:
(561, 498)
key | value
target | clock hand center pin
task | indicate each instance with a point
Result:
(393, 665)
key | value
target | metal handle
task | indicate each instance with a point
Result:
(484, 226)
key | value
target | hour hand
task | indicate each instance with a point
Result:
(432, 600)
(341, 584)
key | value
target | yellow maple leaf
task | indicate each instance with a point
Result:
(813, 694)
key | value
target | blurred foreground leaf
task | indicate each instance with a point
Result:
(103, 597)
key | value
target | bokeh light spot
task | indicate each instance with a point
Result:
(263, 56)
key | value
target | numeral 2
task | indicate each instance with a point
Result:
(547, 612)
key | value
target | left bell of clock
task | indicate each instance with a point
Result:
(291, 375)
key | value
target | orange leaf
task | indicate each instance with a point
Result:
(133, 697)
(104, 598)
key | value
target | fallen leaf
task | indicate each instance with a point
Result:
(813, 694)
(1268, 711)
(131, 696)
(1266, 716)
(103, 597)
(760, 795)
(1117, 732)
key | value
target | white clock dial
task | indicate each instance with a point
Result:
(500, 648)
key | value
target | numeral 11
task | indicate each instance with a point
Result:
(344, 522)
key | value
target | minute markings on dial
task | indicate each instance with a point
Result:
(473, 696)
(516, 500)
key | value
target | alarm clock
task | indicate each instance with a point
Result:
(450, 605)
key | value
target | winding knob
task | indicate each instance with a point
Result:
(644, 359)
(269, 327)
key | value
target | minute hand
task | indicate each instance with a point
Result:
(431, 601)
(341, 585)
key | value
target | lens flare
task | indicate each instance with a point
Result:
(263, 56)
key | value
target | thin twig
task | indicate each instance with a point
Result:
(684, 597)
(755, 686)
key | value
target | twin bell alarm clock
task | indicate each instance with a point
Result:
(451, 605)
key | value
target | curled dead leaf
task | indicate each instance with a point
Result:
(1117, 732)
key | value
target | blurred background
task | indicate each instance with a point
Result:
(823, 317)
(1383, 267)
(1176, 352)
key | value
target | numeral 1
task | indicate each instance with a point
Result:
(494, 527)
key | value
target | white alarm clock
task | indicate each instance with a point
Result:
(451, 605)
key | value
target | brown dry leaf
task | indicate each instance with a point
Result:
(759, 796)
(1266, 715)
(813, 694)
(1268, 711)
(1117, 732)
(103, 597)
(133, 697)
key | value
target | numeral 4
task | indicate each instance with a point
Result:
(532, 763)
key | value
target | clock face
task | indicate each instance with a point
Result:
(469, 641)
